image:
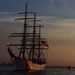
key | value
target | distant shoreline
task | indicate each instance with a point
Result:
(59, 66)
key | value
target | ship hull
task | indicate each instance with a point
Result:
(34, 66)
(23, 64)
(28, 65)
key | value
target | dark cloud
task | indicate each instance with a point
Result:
(62, 8)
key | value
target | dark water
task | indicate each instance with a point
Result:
(47, 71)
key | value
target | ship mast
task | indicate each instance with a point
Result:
(25, 27)
(24, 43)
(34, 36)
(23, 47)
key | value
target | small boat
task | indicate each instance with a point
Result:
(69, 67)
(31, 56)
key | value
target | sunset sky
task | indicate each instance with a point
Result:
(58, 18)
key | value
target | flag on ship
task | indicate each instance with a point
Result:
(45, 44)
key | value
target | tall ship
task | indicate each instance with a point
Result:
(32, 46)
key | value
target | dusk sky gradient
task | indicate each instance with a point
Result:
(58, 18)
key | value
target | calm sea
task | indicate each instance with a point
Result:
(48, 71)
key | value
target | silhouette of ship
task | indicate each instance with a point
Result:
(31, 55)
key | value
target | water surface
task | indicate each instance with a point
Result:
(47, 71)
